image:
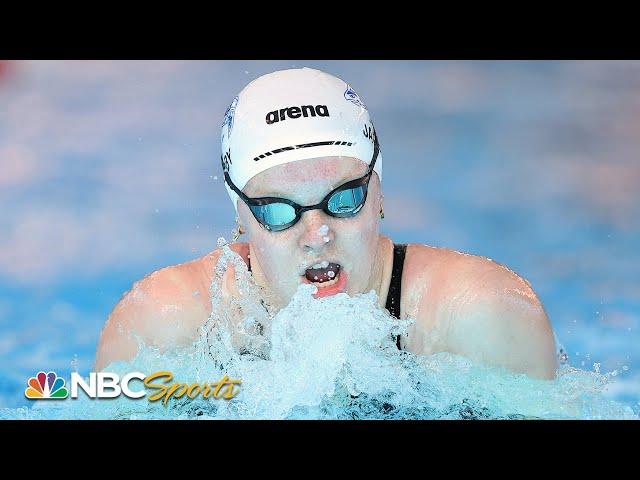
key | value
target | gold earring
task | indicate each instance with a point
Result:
(237, 231)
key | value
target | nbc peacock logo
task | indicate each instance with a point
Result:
(46, 386)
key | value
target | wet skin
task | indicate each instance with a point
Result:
(464, 304)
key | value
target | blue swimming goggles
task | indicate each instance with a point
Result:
(277, 214)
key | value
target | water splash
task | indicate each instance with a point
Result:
(332, 357)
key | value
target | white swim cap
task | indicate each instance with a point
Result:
(292, 115)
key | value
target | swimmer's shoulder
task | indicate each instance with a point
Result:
(487, 310)
(186, 282)
(425, 271)
(165, 308)
(444, 272)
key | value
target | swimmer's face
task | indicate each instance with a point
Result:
(283, 259)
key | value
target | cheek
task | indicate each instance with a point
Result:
(360, 236)
(273, 252)
(270, 249)
(365, 228)
(359, 240)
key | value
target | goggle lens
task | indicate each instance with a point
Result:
(274, 216)
(348, 202)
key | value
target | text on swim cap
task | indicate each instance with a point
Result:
(369, 132)
(296, 112)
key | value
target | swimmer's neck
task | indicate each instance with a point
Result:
(380, 278)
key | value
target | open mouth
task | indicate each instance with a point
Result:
(323, 274)
(327, 277)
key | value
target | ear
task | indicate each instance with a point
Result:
(241, 217)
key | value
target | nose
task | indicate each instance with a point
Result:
(316, 232)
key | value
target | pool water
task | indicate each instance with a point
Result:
(334, 358)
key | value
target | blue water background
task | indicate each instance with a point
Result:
(110, 170)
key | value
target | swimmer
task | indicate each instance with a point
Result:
(303, 167)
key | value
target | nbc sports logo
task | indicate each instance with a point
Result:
(46, 386)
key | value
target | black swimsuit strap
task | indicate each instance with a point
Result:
(395, 286)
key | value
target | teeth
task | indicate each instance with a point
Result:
(323, 264)
(326, 284)
(331, 271)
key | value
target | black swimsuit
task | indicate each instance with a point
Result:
(395, 286)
